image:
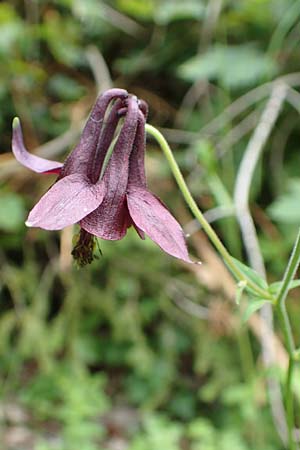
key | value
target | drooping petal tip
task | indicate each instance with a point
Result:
(15, 122)
(33, 162)
(152, 217)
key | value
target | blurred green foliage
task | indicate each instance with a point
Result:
(104, 358)
(233, 67)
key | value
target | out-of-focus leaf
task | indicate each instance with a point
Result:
(10, 32)
(275, 287)
(134, 63)
(254, 305)
(286, 209)
(11, 28)
(245, 13)
(94, 18)
(202, 430)
(251, 274)
(65, 88)
(206, 154)
(233, 66)
(85, 9)
(136, 8)
(12, 212)
(171, 10)
(27, 75)
(88, 11)
(63, 38)
(159, 432)
(7, 13)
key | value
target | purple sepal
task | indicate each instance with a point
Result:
(91, 142)
(111, 220)
(151, 216)
(67, 202)
(33, 162)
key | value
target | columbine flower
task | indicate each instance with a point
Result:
(104, 192)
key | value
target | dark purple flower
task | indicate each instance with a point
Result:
(104, 192)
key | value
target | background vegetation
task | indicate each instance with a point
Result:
(139, 351)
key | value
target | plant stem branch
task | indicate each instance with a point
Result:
(287, 331)
(281, 297)
(290, 405)
(198, 214)
(291, 269)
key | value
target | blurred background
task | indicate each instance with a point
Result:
(138, 351)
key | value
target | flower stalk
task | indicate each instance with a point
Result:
(199, 216)
(280, 305)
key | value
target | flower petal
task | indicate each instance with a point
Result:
(33, 162)
(139, 231)
(108, 226)
(67, 202)
(151, 216)
(137, 176)
(79, 160)
(143, 106)
(107, 134)
(111, 219)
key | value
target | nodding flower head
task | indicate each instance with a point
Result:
(102, 183)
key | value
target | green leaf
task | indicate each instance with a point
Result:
(12, 212)
(254, 305)
(286, 209)
(234, 66)
(274, 288)
(172, 10)
(65, 88)
(140, 10)
(251, 275)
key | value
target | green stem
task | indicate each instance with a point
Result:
(297, 355)
(290, 404)
(280, 305)
(198, 214)
(246, 355)
(290, 271)
(286, 328)
(280, 300)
